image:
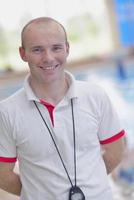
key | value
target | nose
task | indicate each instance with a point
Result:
(47, 56)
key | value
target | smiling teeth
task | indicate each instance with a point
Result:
(50, 68)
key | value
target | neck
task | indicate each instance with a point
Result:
(51, 93)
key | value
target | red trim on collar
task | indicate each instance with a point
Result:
(50, 109)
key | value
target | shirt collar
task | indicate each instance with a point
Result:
(71, 93)
(29, 92)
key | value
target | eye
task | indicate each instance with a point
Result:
(57, 48)
(37, 50)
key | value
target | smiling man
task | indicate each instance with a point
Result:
(56, 126)
(45, 48)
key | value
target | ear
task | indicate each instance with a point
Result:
(67, 47)
(22, 54)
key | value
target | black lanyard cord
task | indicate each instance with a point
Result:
(74, 139)
(50, 132)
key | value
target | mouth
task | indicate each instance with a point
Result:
(49, 67)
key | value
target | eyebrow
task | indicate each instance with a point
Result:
(38, 46)
(58, 45)
(41, 46)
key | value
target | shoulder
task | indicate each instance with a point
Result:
(93, 96)
(90, 89)
(13, 101)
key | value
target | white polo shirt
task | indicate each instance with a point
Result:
(24, 136)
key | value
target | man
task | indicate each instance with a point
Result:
(56, 127)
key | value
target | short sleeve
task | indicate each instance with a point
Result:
(7, 143)
(110, 127)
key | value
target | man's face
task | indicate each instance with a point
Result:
(45, 50)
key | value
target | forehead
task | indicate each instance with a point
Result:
(47, 31)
